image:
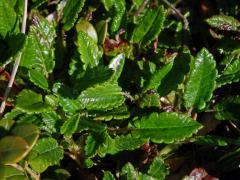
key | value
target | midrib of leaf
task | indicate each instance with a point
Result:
(49, 150)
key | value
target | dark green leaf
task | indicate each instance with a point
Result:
(38, 78)
(201, 83)
(70, 126)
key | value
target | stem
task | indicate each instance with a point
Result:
(16, 64)
(31, 173)
(184, 19)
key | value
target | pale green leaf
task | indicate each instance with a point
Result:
(102, 28)
(119, 10)
(202, 81)
(165, 127)
(38, 78)
(70, 13)
(102, 97)
(108, 176)
(128, 172)
(116, 65)
(158, 169)
(44, 154)
(87, 27)
(87, 47)
(108, 4)
(31, 102)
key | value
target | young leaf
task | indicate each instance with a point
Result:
(201, 83)
(12, 149)
(221, 21)
(116, 65)
(156, 27)
(228, 109)
(8, 172)
(102, 97)
(144, 26)
(70, 13)
(30, 102)
(38, 51)
(165, 127)
(108, 176)
(38, 78)
(70, 126)
(8, 18)
(102, 29)
(87, 47)
(87, 27)
(119, 10)
(158, 169)
(44, 154)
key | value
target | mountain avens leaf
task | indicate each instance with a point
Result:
(87, 27)
(44, 154)
(12, 149)
(102, 97)
(70, 126)
(87, 47)
(222, 21)
(202, 81)
(158, 169)
(8, 18)
(38, 78)
(165, 127)
(119, 10)
(8, 172)
(70, 13)
(31, 102)
(108, 176)
(116, 65)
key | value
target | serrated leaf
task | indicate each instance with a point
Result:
(116, 65)
(50, 120)
(228, 109)
(12, 149)
(119, 10)
(34, 104)
(158, 169)
(221, 21)
(88, 124)
(11, 173)
(150, 100)
(87, 47)
(8, 18)
(144, 25)
(38, 78)
(44, 154)
(102, 97)
(38, 51)
(165, 127)
(128, 172)
(70, 126)
(158, 76)
(202, 81)
(231, 72)
(70, 13)
(176, 75)
(108, 176)
(28, 132)
(156, 27)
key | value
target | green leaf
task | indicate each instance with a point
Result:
(228, 109)
(150, 100)
(176, 75)
(231, 72)
(158, 169)
(70, 126)
(44, 154)
(128, 172)
(222, 21)
(88, 124)
(69, 105)
(144, 25)
(201, 83)
(10, 173)
(70, 13)
(108, 4)
(87, 47)
(38, 51)
(87, 27)
(8, 18)
(211, 140)
(108, 176)
(38, 78)
(165, 127)
(156, 27)
(34, 104)
(12, 149)
(102, 28)
(158, 76)
(50, 120)
(28, 132)
(102, 97)
(116, 65)
(119, 10)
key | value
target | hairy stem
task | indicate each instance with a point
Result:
(16, 64)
